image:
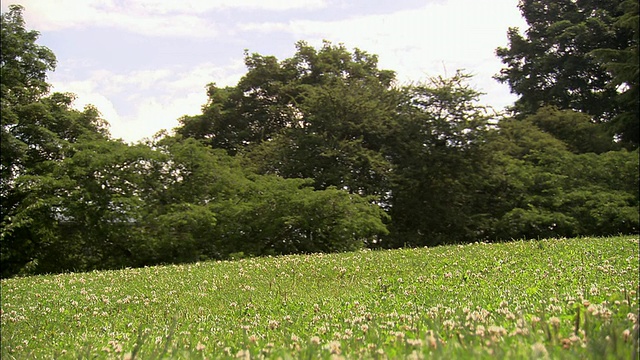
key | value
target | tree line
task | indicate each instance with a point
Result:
(325, 152)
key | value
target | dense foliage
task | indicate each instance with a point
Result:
(320, 152)
(580, 55)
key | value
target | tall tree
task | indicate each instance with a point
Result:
(322, 114)
(37, 132)
(23, 63)
(553, 63)
(624, 66)
(438, 160)
(23, 67)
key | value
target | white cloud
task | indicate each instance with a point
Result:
(155, 98)
(148, 17)
(87, 94)
(133, 17)
(417, 43)
(199, 6)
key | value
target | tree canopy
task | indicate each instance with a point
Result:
(578, 55)
(325, 152)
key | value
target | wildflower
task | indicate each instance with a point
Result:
(625, 335)
(364, 327)
(539, 350)
(495, 330)
(294, 338)
(449, 324)
(554, 321)
(200, 346)
(414, 342)
(632, 317)
(334, 347)
(431, 340)
(243, 354)
(480, 330)
(415, 355)
(315, 340)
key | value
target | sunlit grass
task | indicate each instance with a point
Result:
(560, 298)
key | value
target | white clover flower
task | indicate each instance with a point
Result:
(539, 350)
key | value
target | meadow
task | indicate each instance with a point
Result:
(554, 298)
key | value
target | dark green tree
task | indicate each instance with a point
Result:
(553, 63)
(538, 188)
(574, 129)
(38, 131)
(438, 164)
(214, 207)
(624, 66)
(23, 67)
(322, 114)
(42, 135)
(85, 212)
(23, 63)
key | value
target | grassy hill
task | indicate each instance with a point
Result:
(556, 298)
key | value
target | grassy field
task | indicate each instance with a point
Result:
(564, 298)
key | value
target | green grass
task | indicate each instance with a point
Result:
(564, 298)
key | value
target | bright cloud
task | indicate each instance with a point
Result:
(150, 100)
(87, 94)
(79, 14)
(157, 18)
(456, 30)
(437, 39)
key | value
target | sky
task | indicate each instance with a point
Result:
(146, 63)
